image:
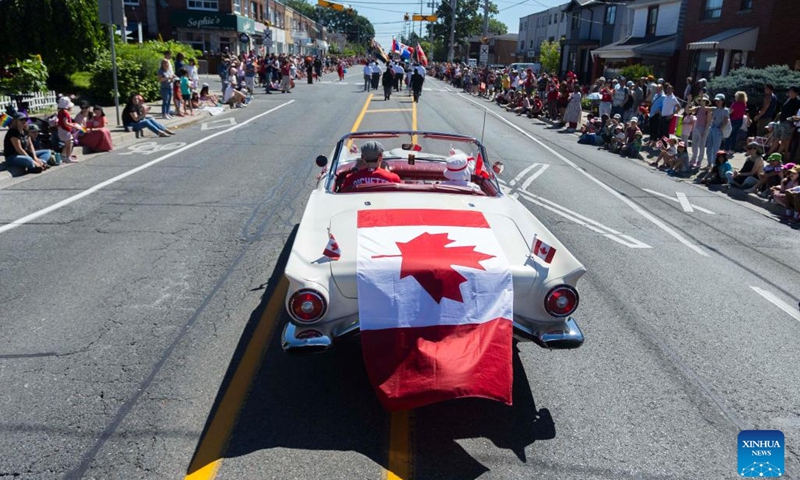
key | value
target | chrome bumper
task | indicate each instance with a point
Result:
(555, 336)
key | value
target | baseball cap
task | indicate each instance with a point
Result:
(617, 116)
(775, 157)
(34, 128)
(20, 116)
(755, 145)
(719, 96)
(371, 150)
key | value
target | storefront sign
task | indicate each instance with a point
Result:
(212, 21)
(244, 38)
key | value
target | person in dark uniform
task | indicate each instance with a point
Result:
(376, 75)
(416, 84)
(309, 70)
(318, 67)
(388, 81)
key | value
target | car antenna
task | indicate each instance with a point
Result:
(483, 129)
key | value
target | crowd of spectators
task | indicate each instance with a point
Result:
(693, 134)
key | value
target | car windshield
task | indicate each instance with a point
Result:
(419, 159)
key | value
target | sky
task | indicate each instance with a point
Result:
(387, 15)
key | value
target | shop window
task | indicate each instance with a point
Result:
(225, 44)
(706, 63)
(198, 40)
(652, 20)
(237, 6)
(747, 5)
(611, 14)
(202, 4)
(712, 9)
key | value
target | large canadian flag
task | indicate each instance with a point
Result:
(435, 301)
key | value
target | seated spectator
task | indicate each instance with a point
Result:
(784, 194)
(134, 117)
(607, 131)
(234, 98)
(721, 172)
(18, 149)
(669, 151)
(36, 140)
(770, 176)
(753, 166)
(680, 164)
(591, 125)
(83, 115)
(207, 99)
(525, 107)
(619, 139)
(97, 138)
(537, 107)
(633, 148)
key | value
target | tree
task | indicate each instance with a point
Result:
(358, 29)
(469, 20)
(497, 27)
(550, 55)
(67, 34)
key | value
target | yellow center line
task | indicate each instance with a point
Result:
(208, 457)
(399, 447)
(358, 120)
(387, 110)
(414, 121)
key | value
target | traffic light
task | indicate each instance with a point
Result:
(406, 17)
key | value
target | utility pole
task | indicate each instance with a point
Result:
(485, 26)
(452, 30)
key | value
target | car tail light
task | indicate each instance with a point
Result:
(561, 301)
(307, 305)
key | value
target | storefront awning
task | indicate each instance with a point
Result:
(637, 47)
(735, 39)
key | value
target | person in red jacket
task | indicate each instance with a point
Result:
(369, 170)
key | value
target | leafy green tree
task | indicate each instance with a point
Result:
(66, 33)
(497, 27)
(550, 56)
(469, 20)
(357, 28)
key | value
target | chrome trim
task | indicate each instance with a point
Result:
(293, 345)
(556, 336)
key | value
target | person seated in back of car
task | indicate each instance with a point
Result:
(458, 172)
(369, 171)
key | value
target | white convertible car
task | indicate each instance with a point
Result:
(322, 300)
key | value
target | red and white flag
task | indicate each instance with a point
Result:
(480, 168)
(435, 300)
(332, 249)
(543, 250)
(423, 59)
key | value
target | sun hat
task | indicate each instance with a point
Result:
(371, 150)
(65, 102)
(719, 97)
(457, 168)
(789, 166)
(775, 157)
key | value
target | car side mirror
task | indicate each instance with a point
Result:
(322, 160)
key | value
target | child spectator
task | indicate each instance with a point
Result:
(207, 98)
(687, 125)
(720, 172)
(619, 139)
(525, 107)
(97, 137)
(770, 176)
(65, 128)
(177, 98)
(784, 194)
(186, 92)
(680, 164)
(669, 151)
(537, 107)
(633, 149)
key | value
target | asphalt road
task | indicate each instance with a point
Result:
(140, 320)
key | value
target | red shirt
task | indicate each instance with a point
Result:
(605, 95)
(369, 176)
(738, 109)
(63, 119)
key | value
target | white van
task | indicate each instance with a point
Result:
(521, 67)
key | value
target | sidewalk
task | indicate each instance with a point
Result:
(119, 137)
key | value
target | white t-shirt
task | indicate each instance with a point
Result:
(668, 108)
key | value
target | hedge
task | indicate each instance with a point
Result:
(137, 68)
(752, 81)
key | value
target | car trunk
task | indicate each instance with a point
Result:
(344, 227)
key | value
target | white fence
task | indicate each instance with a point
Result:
(38, 101)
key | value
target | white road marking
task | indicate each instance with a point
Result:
(225, 122)
(111, 181)
(674, 199)
(685, 205)
(636, 208)
(792, 311)
(592, 225)
(533, 177)
(147, 148)
(522, 174)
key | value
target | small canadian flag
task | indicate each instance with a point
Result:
(332, 249)
(543, 250)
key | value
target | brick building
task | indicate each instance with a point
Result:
(236, 25)
(721, 35)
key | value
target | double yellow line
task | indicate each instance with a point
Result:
(208, 458)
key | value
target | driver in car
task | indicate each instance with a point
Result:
(369, 171)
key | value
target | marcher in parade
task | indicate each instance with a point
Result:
(388, 81)
(416, 84)
(376, 75)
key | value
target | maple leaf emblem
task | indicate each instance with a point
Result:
(430, 261)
